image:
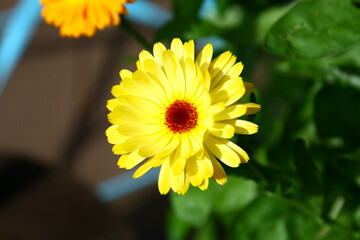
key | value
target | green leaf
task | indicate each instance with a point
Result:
(235, 195)
(176, 228)
(195, 206)
(306, 169)
(187, 9)
(266, 19)
(337, 114)
(185, 15)
(271, 217)
(317, 28)
(207, 232)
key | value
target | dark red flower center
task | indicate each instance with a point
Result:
(181, 116)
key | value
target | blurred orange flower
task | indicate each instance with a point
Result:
(82, 17)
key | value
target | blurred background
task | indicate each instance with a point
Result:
(59, 178)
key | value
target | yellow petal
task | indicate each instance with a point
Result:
(114, 136)
(177, 182)
(157, 144)
(144, 168)
(235, 71)
(220, 66)
(158, 50)
(130, 160)
(196, 179)
(177, 47)
(177, 162)
(243, 126)
(186, 184)
(145, 55)
(228, 92)
(218, 107)
(186, 146)
(206, 166)
(174, 74)
(164, 178)
(118, 149)
(221, 151)
(219, 174)
(204, 58)
(244, 157)
(126, 113)
(136, 129)
(251, 108)
(167, 150)
(204, 185)
(125, 74)
(112, 103)
(196, 141)
(158, 75)
(189, 50)
(139, 65)
(119, 90)
(222, 130)
(122, 160)
(152, 90)
(190, 81)
(233, 111)
(192, 166)
(227, 74)
(134, 143)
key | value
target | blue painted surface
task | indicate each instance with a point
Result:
(148, 13)
(122, 185)
(208, 7)
(16, 34)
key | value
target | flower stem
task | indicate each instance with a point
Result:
(135, 34)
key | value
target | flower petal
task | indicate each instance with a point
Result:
(222, 130)
(243, 126)
(144, 168)
(204, 185)
(177, 47)
(219, 174)
(205, 166)
(220, 66)
(228, 92)
(203, 60)
(177, 182)
(158, 50)
(244, 157)
(125, 74)
(188, 51)
(174, 74)
(221, 151)
(164, 178)
(251, 108)
(233, 111)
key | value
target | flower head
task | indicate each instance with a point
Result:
(179, 113)
(82, 17)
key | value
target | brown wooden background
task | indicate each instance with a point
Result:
(53, 112)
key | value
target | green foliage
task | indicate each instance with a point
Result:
(303, 177)
(317, 28)
(196, 206)
(342, 119)
(185, 14)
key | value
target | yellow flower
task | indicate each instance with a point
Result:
(179, 113)
(82, 17)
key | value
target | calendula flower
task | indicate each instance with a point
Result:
(179, 113)
(82, 17)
